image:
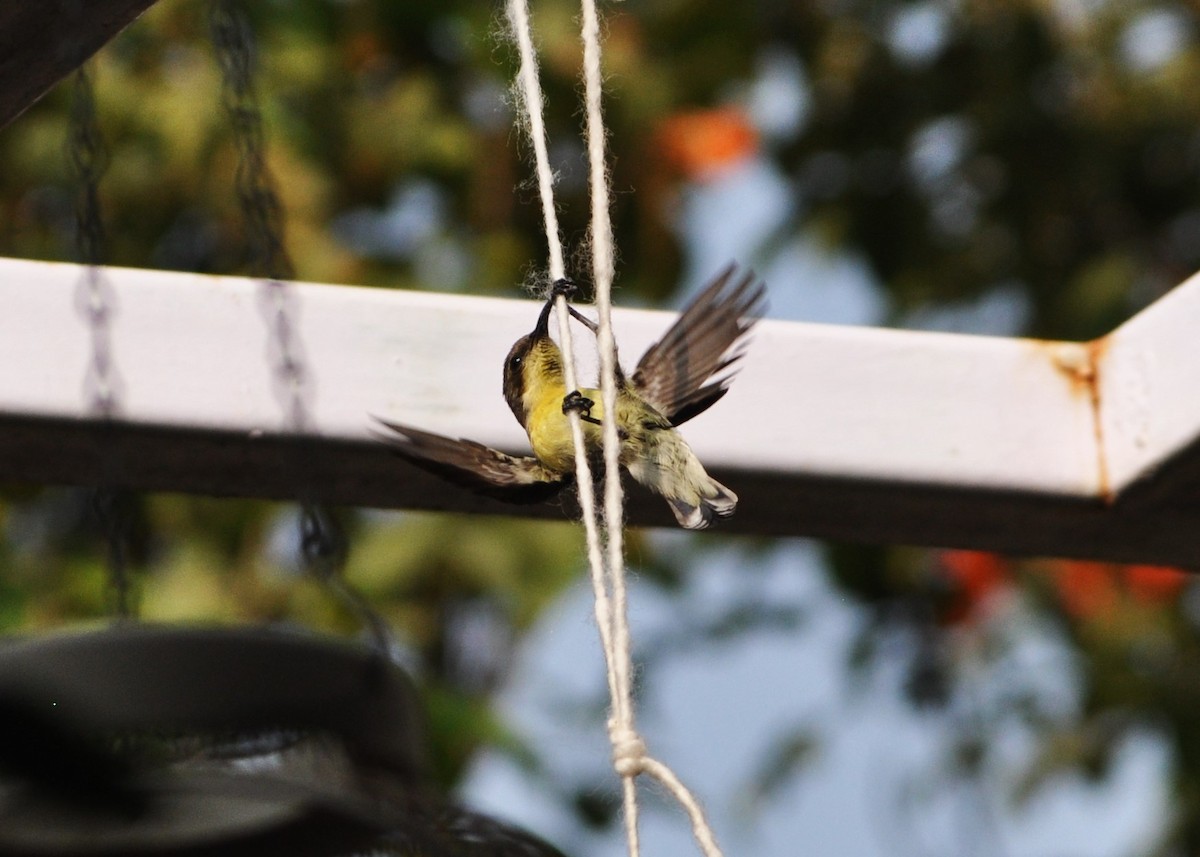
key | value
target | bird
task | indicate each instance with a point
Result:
(679, 377)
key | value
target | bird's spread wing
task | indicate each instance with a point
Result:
(703, 343)
(472, 465)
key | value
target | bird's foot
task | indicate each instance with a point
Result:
(584, 320)
(576, 401)
(564, 286)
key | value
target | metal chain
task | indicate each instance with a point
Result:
(322, 539)
(324, 548)
(93, 296)
(95, 301)
(237, 56)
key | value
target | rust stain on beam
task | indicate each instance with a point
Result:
(1096, 350)
(43, 41)
(1080, 363)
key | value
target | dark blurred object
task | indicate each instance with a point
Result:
(219, 741)
(43, 42)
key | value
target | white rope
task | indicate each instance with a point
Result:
(528, 91)
(608, 578)
(629, 750)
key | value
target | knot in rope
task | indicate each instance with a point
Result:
(629, 750)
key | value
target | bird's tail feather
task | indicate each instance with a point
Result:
(717, 502)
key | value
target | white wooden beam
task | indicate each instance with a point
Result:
(1148, 388)
(850, 433)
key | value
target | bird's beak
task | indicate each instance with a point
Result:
(542, 329)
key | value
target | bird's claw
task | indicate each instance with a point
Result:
(576, 401)
(564, 286)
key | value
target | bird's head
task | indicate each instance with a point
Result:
(533, 362)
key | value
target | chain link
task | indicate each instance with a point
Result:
(237, 56)
(324, 547)
(112, 505)
(323, 544)
(94, 297)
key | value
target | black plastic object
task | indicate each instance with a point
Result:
(213, 680)
(67, 702)
(206, 814)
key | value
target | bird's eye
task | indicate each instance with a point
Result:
(515, 363)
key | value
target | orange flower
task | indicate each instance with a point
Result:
(701, 143)
(1154, 583)
(1086, 589)
(974, 575)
